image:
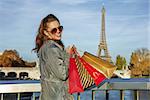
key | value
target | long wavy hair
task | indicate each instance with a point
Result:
(40, 38)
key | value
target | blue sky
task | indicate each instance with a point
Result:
(127, 24)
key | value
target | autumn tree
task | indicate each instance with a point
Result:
(140, 62)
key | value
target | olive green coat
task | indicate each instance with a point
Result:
(54, 71)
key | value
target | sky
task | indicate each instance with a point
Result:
(127, 25)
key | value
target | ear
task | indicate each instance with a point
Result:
(47, 34)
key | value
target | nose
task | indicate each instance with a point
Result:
(58, 30)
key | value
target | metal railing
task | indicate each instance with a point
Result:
(22, 86)
(134, 84)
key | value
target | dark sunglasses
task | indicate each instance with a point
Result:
(54, 30)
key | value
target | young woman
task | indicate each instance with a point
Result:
(53, 60)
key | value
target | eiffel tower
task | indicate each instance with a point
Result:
(103, 44)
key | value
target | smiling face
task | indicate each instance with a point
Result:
(54, 30)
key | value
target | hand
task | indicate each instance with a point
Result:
(70, 48)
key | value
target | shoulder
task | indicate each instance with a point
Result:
(54, 44)
(51, 44)
(48, 45)
(51, 47)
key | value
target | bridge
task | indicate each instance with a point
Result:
(136, 85)
(33, 72)
(20, 72)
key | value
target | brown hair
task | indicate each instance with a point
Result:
(40, 38)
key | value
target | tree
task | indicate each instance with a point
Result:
(140, 62)
(120, 62)
(11, 58)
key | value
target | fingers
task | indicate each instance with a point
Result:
(68, 49)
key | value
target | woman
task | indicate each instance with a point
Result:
(53, 60)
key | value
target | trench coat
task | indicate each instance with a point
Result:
(53, 61)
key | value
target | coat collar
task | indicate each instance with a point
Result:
(55, 43)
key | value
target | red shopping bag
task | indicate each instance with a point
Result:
(97, 76)
(74, 79)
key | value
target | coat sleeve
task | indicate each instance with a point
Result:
(56, 63)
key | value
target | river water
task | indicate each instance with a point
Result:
(113, 95)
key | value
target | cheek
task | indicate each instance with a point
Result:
(54, 36)
(48, 30)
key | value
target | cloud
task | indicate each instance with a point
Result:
(126, 26)
(130, 1)
(72, 2)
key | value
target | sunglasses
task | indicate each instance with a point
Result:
(54, 30)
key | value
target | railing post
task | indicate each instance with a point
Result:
(2, 97)
(78, 96)
(93, 94)
(33, 96)
(136, 95)
(107, 95)
(18, 96)
(121, 95)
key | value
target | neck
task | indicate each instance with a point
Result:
(60, 43)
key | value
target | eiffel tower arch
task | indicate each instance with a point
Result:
(103, 44)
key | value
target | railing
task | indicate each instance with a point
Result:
(22, 86)
(136, 85)
(19, 86)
